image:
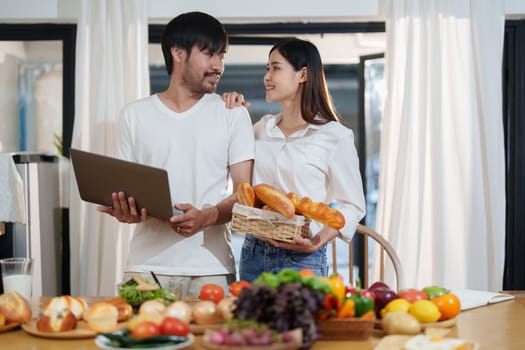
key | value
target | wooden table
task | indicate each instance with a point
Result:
(499, 326)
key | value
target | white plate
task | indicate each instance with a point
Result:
(397, 342)
(104, 343)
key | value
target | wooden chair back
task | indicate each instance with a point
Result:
(384, 246)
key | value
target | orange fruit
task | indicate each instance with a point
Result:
(449, 306)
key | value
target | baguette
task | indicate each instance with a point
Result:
(276, 199)
(295, 200)
(245, 194)
(318, 211)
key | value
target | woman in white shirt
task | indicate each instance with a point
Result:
(303, 149)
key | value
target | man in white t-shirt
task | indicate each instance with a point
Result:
(187, 130)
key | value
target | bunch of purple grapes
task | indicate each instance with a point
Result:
(290, 306)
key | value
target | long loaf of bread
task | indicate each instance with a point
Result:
(275, 199)
(245, 194)
(318, 211)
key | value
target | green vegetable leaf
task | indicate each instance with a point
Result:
(125, 340)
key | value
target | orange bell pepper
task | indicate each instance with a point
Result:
(347, 309)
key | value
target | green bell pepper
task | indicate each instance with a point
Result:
(363, 304)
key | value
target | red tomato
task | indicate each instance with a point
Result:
(237, 287)
(145, 329)
(212, 292)
(173, 326)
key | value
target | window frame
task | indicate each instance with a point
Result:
(513, 81)
(48, 32)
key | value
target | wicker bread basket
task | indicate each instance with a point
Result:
(345, 328)
(268, 224)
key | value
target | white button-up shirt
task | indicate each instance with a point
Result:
(319, 161)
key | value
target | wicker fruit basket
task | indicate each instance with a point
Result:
(345, 328)
(268, 224)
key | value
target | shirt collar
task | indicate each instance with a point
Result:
(274, 131)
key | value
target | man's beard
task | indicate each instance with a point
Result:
(201, 85)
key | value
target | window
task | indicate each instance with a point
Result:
(37, 82)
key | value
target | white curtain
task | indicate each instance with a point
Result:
(442, 178)
(111, 70)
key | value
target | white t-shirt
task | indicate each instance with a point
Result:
(196, 147)
(320, 162)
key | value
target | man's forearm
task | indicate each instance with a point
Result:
(221, 212)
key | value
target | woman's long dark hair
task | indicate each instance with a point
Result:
(315, 98)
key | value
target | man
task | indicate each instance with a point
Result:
(187, 130)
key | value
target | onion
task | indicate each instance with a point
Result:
(206, 312)
(154, 306)
(179, 310)
(226, 307)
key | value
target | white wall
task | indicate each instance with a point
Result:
(230, 11)
(269, 10)
(226, 10)
(9, 132)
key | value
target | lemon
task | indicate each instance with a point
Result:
(425, 311)
(401, 305)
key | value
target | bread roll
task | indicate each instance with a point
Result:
(125, 311)
(245, 194)
(15, 308)
(61, 314)
(318, 211)
(102, 317)
(276, 199)
(60, 321)
(77, 305)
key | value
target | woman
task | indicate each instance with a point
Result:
(303, 149)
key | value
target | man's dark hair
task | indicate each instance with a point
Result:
(193, 28)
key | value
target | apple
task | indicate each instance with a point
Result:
(378, 284)
(434, 291)
(412, 295)
(382, 297)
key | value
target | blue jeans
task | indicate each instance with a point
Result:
(258, 256)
